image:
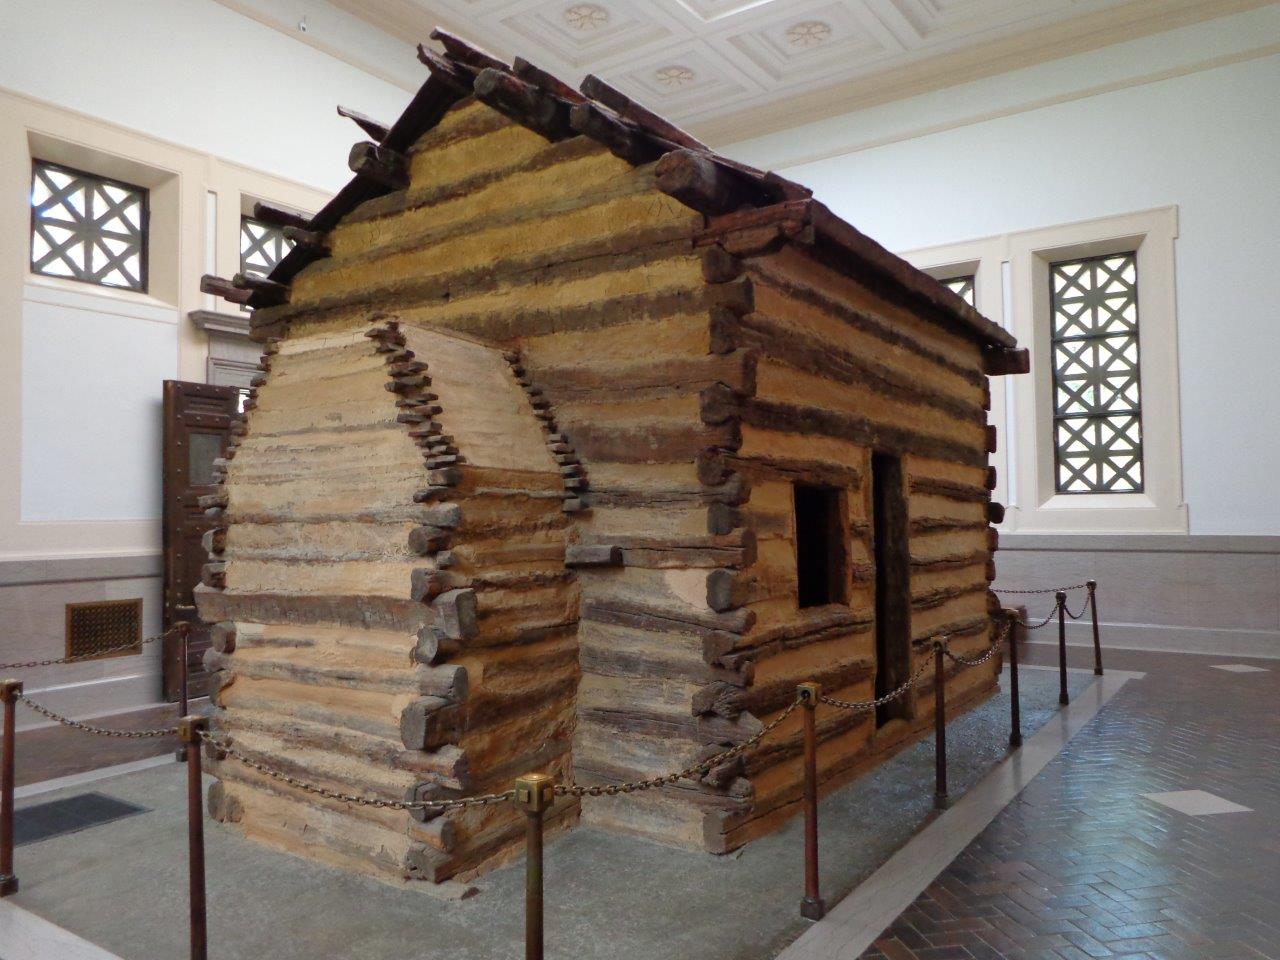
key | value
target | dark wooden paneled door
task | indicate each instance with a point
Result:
(197, 423)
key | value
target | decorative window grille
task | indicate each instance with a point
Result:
(88, 228)
(262, 246)
(1097, 405)
(962, 287)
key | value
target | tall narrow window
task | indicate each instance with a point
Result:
(821, 565)
(262, 246)
(88, 228)
(962, 287)
(1097, 404)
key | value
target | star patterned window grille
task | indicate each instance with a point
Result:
(1097, 401)
(262, 246)
(961, 287)
(88, 228)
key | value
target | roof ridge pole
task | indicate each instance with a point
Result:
(466, 52)
(524, 103)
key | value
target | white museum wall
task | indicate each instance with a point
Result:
(80, 446)
(1205, 142)
(1188, 120)
(210, 110)
(198, 74)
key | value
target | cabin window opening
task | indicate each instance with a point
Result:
(891, 555)
(1097, 403)
(88, 228)
(821, 557)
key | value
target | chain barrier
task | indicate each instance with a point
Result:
(910, 682)
(1076, 586)
(984, 656)
(88, 656)
(96, 731)
(1045, 622)
(695, 771)
(1083, 610)
(532, 794)
(480, 800)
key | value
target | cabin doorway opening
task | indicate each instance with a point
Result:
(893, 583)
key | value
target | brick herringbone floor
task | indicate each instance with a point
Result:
(1080, 865)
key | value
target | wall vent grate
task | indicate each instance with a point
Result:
(102, 625)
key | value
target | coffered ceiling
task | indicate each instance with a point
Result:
(735, 68)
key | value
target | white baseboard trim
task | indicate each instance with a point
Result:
(1158, 638)
(28, 937)
(92, 698)
(91, 776)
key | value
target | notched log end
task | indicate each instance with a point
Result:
(593, 555)
(1000, 362)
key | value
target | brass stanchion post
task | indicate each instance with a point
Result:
(939, 727)
(1013, 622)
(1063, 697)
(811, 907)
(535, 792)
(189, 730)
(1097, 639)
(10, 690)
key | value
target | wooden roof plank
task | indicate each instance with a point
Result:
(369, 125)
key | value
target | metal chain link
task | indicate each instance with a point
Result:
(225, 748)
(87, 656)
(985, 656)
(910, 682)
(96, 731)
(1044, 622)
(696, 771)
(1075, 586)
(1083, 610)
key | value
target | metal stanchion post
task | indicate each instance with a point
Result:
(184, 630)
(811, 907)
(189, 730)
(10, 690)
(1063, 697)
(535, 793)
(939, 727)
(1097, 639)
(1012, 621)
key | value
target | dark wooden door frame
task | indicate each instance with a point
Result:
(197, 423)
(892, 553)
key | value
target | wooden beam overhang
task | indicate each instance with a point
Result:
(378, 131)
(749, 211)
(811, 224)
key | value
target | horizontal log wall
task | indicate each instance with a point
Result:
(569, 256)
(842, 373)
(387, 629)
(694, 388)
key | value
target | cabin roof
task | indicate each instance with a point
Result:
(734, 197)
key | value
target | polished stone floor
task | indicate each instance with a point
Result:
(1154, 835)
(1140, 823)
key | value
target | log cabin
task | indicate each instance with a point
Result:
(575, 448)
